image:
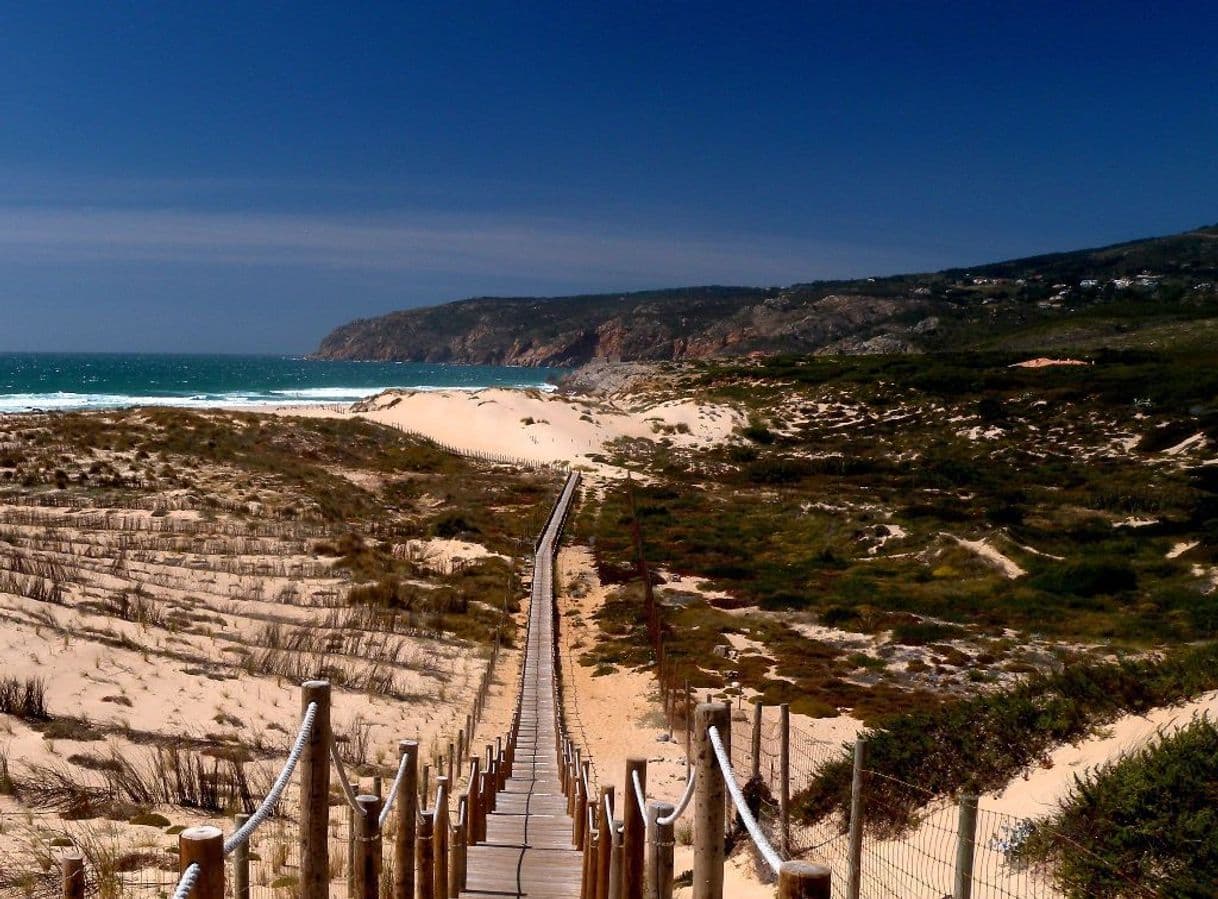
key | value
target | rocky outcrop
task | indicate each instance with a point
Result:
(948, 310)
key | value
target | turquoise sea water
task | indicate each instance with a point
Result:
(62, 381)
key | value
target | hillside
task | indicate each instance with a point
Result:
(1136, 293)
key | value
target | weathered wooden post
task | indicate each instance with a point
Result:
(424, 787)
(452, 762)
(784, 776)
(352, 814)
(854, 858)
(72, 867)
(965, 848)
(408, 810)
(241, 863)
(755, 744)
(424, 858)
(475, 801)
(378, 787)
(582, 801)
(440, 838)
(203, 846)
(604, 833)
(315, 795)
(660, 852)
(368, 847)
(634, 836)
(689, 725)
(709, 797)
(615, 860)
(457, 877)
(803, 880)
(461, 747)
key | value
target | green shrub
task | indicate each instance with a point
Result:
(1145, 825)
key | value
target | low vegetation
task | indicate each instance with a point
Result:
(1146, 820)
(979, 744)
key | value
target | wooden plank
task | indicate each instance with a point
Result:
(528, 850)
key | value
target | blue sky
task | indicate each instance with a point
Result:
(244, 176)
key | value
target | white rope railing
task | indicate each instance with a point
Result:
(342, 778)
(265, 810)
(186, 883)
(615, 834)
(639, 796)
(771, 857)
(683, 804)
(393, 791)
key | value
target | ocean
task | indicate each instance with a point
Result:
(69, 381)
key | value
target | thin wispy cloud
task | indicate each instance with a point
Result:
(475, 245)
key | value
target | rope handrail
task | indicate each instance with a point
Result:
(683, 804)
(281, 782)
(186, 883)
(639, 796)
(393, 791)
(342, 778)
(771, 857)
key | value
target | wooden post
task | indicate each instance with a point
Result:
(965, 847)
(709, 797)
(660, 853)
(424, 860)
(581, 803)
(689, 726)
(605, 843)
(241, 863)
(587, 889)
(803, 880)
(424, 792)
(634, 836)
(315, 795)
(784, 776)
(457, 880)
(755, 745)
(407, 809)
(615, 861)
(72, 867)
(352, 814)
(203, 846)
(452, 763)
(378, 787)
(440, 838)
(461, 747)
(854, 858)
(368, 847)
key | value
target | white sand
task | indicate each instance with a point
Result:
(541, 427)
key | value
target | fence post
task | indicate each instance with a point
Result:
(241, 863)
(803, 880)
(689, 726)
(965, 847)
(615, 861)
(424, 858)
(660, 851)
(854, 869)
(440, 838)
(709, 798)
(634, 831)
(72, 867)
(407, 808)
(604, 831)
(581, 803)
(315, 795)
(368, 847)
(203, 846)
(755, 745)
(784, 775)
(352, 814)
(475, 800)
(460, 838)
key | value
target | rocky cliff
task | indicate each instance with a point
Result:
(1132, 284)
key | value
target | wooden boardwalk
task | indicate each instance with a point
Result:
(528, 849)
